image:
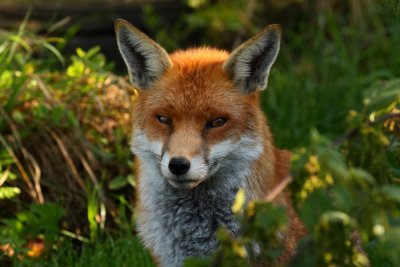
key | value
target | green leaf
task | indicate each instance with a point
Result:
(18, 117)
(315, 205)
(306, 255)
(7, 192)
(76, 69)
(80, 52)
(118, 183)
(55, 51)
(343, 198)
(131, 180)
(382, 94)
(391, 192)
(93, 51)
(92, 211)
(196, 262)
(389, 246)
(269, 216)
(361, 176)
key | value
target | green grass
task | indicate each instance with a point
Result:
(108, 252)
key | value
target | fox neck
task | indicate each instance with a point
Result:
(177, 224)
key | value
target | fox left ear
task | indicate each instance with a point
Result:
(249, 64)
(145, 59)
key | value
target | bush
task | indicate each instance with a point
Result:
(64, 126)
(352, 214)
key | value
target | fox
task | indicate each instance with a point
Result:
(198, 136)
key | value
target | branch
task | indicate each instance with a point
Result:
(352, 133)
(278, 189)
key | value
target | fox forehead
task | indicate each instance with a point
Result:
(196, 85)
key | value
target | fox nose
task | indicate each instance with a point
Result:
(179, 165)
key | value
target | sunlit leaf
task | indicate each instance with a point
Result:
(118, 182)
(80, 52)
(239, 201)
(7, 192)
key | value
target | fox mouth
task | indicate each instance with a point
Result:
(183, 183)
(188, 181)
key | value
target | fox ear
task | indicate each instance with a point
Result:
(145, 59)
(249, 64)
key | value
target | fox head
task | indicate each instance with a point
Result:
(198, 116)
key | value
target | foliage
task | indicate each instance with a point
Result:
(110, 251)
(31, 228)
(64, 127)
(352, 214)
(222, 23)
(395, 4)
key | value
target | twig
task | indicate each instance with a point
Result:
(352, 133)
(64, 152)
(35, 173)
(42, 86)
(75, 236)
(21, 169)
(279, 188)
(35, 189)
(4, 177)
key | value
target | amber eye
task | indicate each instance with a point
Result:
(163, 120)
(216, 123)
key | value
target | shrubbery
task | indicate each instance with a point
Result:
(352, 214)
(64, 126)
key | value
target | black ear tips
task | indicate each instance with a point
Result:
(120, 22)
(275, 27)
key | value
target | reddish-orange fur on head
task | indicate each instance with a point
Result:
(193, 91)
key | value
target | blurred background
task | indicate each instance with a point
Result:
(66, 171)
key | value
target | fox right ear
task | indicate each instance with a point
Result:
(249, 64)
(145, 59)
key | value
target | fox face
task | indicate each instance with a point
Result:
(197, 115)
(193, 126)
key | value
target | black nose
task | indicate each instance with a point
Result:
(179, 165)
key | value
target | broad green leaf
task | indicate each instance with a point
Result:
(7, 192)
(391, 192)
(314, 206)
(118, 182)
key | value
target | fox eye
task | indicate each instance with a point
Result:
(163, 120)
(216, 123)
